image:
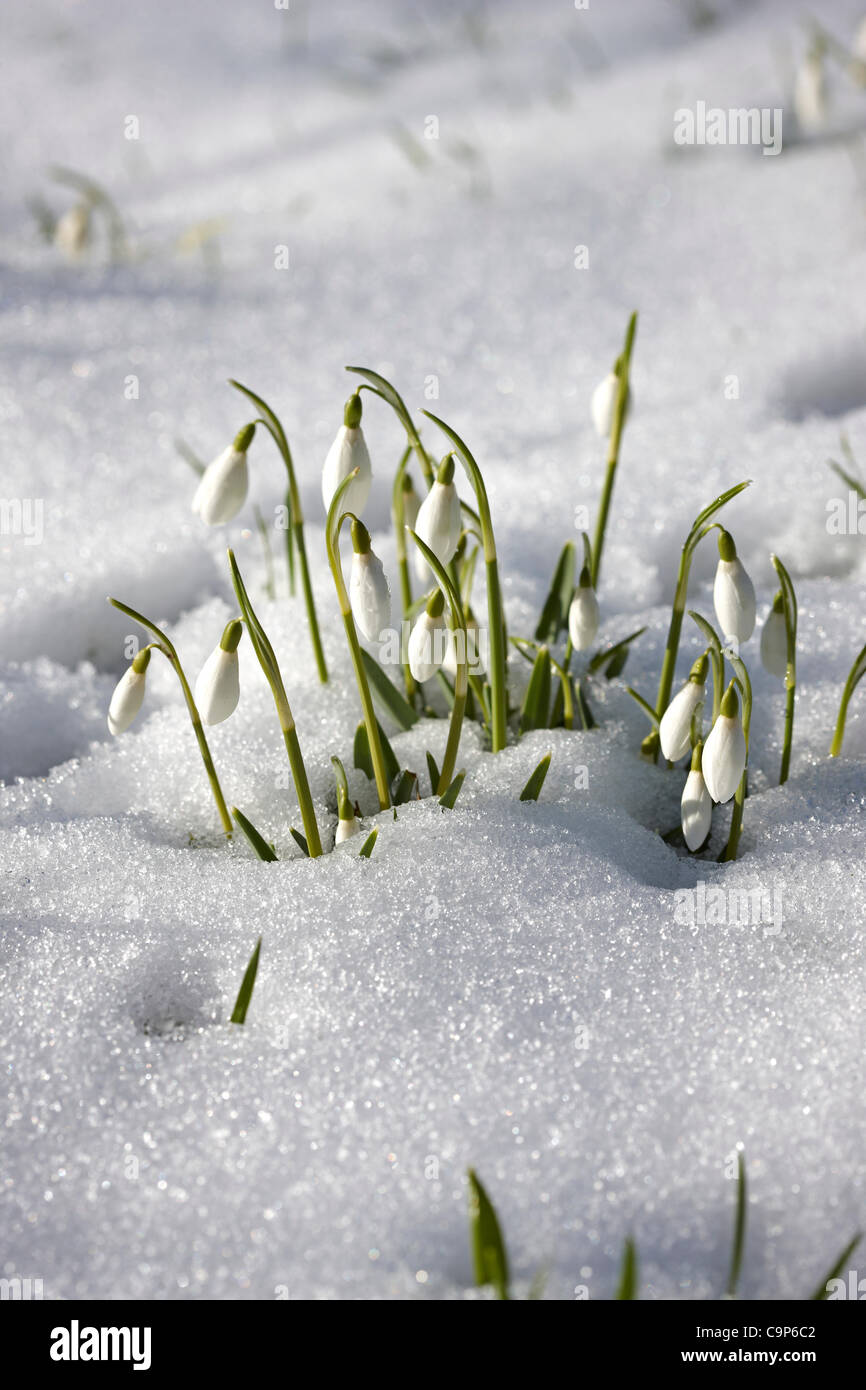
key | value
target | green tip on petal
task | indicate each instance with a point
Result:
(230, 639)
(650, 745)
(727, 549)
(698, 673)
(407, 484)
(353, 412)
(779, 602)
(244, 438)
(446, 470)
(360, 538)
(697, 754)
(436, 604)
(585, 578)
(141, 661)
(730, 704)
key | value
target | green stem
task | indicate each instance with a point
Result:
(402, 558)
(858, 670)
(457, 623)
(168, 651)
(296, 529)
(622, 370)
(790, 605)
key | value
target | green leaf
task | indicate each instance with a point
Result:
(363, 760)
(387, 693)
(613, 659)
(245, 993)
(300, 840)
(406, 788)
(367, 847)
(489, 1258)
(390, 394)
(449, 797)
(259, 843)
(849, 480)
(739, 1241)
(645, 705)
(628, 1272)
(536, 702)
(554, 614)
(585, 713)
(821, 1292)
(703, 517)
(536, 782)
(432, 772)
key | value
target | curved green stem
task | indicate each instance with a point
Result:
(789, 600)
(402, 558)
(381, 387)
(457, 622)
(622, 371)
(858, 670)
(168, 651)
(296, 527)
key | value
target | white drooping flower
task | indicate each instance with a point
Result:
(583, 614)
(128, 694)
(72, 231)
(724, 756)
(217, 689)
(222, 489)
(346, 827)
(774, 640)
(426, 645)
(369, 592)
(411, 502)
(603, 406)
(733, 593)
(676, 722)
(348, 452)
(696, 806)
(810, 92)
(438, 522)
(347, 822)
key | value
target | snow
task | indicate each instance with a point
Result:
(509, 986)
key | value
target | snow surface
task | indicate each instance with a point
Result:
(506, 986)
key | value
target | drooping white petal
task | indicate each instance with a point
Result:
(583, 618)
(217, 689)
(774, 644)
(346, 828)
(126, 700)
(222, 489)
(426, 646)
(604, 399)
(724, 758)
(369, 595)
(676, 722)
(348, 452)
(696, 810)
(439, 525)
(734, 600)
(810, 93)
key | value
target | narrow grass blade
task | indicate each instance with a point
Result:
(612, 660)
(848, 478)
(448, 799)
(387, 693)
(432, 772)
(628, 1272)
(645, 706)
(489, 1257)
(856, 674)
(739, 1241)
(536, 702)
(367, 847)
(363, 760)
(822, 1292)
(300, 840)
(258, 841)
(587, 720)
(554, 614)
(245, 993)
(536, 782)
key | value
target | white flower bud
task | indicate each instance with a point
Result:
(583, 614)
(439, 522)
(72, 231)
(346, 828)
(696, 806)
(348, 452)
(604, 399)
(676, 722)
(810, 93)
(222, 489)
(733, 593)
(426, 645)
(724, 757)
(369, 593)
(128, 694)
(217, 689)
(411, 503)
(774, 641)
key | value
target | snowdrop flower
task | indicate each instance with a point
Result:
(347, 823)
(774, 640)
(733, 593)
(72, 232)
(369, 593)
(583, 615)
(348, 452)
(696, 806)
(128, 694)
(675, 729)
(810, 92)
(346, 827)
(438, 522)
(411, 503)
(222, 490)
(426, 646)
(217, 689)
(724, 757)
(603, 407)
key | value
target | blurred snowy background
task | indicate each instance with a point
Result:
(429, 1009)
